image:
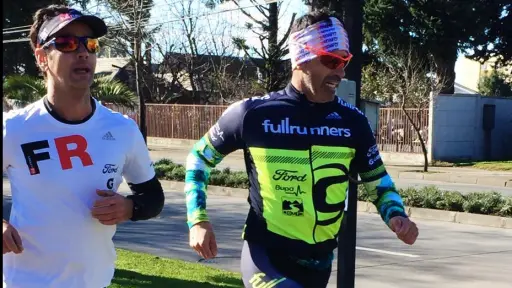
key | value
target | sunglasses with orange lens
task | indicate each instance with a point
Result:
(68, 44)
(329, 60)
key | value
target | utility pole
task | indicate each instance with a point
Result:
(353, 18)
(273, 57)
(137, 13)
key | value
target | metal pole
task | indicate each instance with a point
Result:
(353, 18)
(138, 54)
(142, 104)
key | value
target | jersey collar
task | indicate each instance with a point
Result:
(294, 93)
(49, 108)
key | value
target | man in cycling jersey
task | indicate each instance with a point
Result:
(299, 145)
(65, 156)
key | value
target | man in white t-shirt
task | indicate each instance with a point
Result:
(65, 156)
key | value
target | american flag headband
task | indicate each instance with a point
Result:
(325, 36)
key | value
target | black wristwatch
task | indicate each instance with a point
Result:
(136, 208)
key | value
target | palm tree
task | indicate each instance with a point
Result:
(25, 89)
(108, 90)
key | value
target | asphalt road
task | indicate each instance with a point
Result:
(445, 255)
(235, 162)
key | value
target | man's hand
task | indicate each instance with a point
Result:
(202, 239)
(112, 209)
(12, 240)
(405, 229)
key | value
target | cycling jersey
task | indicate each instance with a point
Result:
(298, 155)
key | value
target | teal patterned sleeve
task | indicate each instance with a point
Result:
(383, 193)
(223, 138)
(200, 161)
(377, 182)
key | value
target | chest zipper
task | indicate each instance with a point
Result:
(310, 150)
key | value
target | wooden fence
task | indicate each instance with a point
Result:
(395, 133)
(177, 121)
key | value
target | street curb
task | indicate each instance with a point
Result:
(367, 207)
(457, 179)
(212, 190)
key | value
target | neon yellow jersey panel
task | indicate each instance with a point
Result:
(303, 191)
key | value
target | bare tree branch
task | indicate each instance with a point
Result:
(287, 33)
(261, 8)
(262, 24)
(408, 77)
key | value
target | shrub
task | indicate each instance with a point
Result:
(217, 179)
(162, 169)
(484, 203)
(164, 161)
(178, 173)
(431, 197)
(411, 197)
(506, 209)
(452, 201)
(490, 203)
(362, 195)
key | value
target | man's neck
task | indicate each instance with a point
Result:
(70, 104)
(318, 98)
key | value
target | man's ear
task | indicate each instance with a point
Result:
(41, 58)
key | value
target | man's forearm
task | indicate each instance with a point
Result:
(200, 161)
(383, 194)
(148, 199)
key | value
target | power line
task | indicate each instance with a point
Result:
(88, 10)
(16, 31)
(119, 27)
(149, 8)
(16, 40)
(16, 27)
(205, 14)
(120, 13)
(145, 7)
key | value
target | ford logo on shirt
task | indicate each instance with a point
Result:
(109, 168)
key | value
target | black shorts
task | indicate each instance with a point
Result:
(270, 269)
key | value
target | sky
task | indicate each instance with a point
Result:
(223, 22)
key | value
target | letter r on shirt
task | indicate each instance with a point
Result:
(65, 152)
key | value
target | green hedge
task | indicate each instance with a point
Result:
(488, 203)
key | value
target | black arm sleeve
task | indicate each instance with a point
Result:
(148, 199)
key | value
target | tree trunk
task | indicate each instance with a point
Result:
(445, 67)
(311, 5)
(422, 142)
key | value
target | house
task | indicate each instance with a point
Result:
(468, 73)
(110, 66)
(204, 79)
(460, 89)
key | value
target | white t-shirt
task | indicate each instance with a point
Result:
(54, 169)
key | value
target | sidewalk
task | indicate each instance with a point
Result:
(177, 150)
(453, 175)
